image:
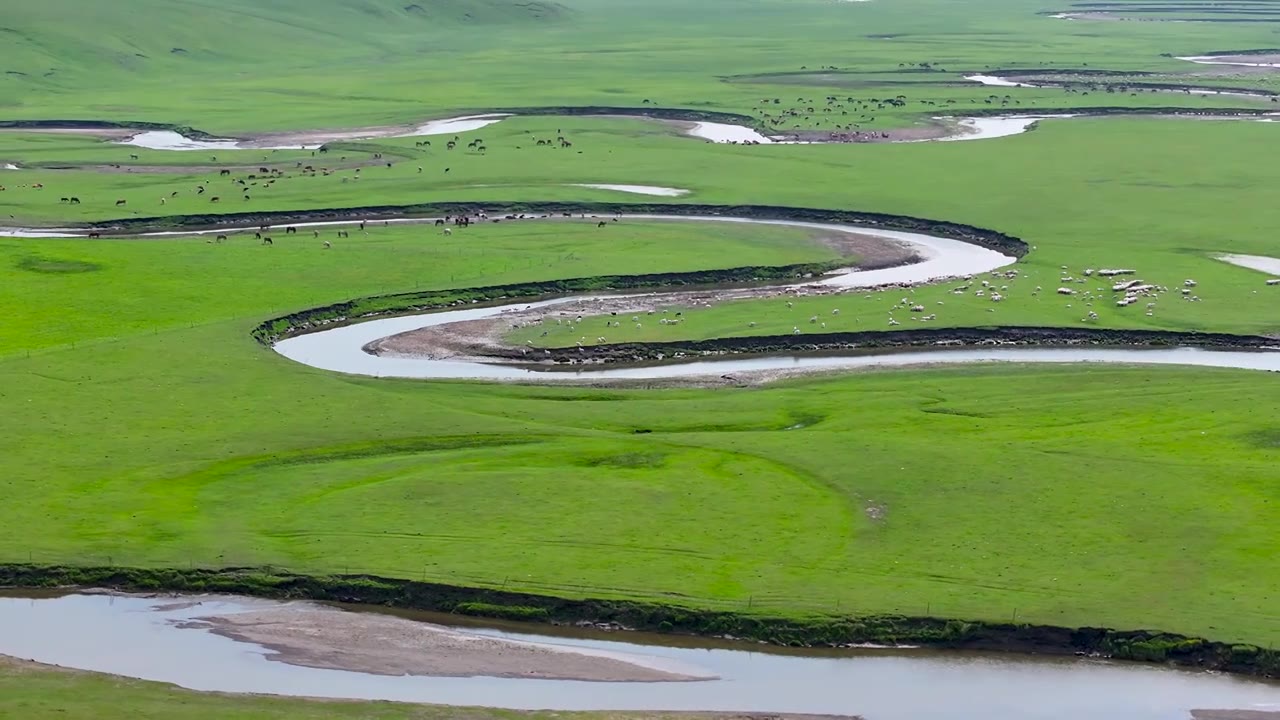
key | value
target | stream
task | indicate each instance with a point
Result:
(167, 641)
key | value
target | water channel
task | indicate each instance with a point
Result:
(164, 639)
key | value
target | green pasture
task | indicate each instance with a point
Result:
(143, 426)
(237, 66)
(75, 290)
(1112, 496)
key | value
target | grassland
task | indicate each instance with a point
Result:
(142, 425)
(241, 67)
(92, 291)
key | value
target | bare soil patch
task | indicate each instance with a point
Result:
(320, 637)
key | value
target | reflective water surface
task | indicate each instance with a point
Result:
(146, 638)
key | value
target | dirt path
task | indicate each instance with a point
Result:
(321, 637)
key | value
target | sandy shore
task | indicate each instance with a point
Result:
(321, 637)
(930, 131)
(1259, 59)
(484, 339)
(1235, 715)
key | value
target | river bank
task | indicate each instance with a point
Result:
(810, 631)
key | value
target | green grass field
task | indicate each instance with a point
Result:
(143, 426)
(90, 291)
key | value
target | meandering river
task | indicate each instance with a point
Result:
(170, 642)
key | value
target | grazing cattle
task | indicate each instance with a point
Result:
(267, 241)
(65, 200)
(315, 233)
(173, 194)
(133, 157)
(93, 235)
(291, 230)
(327, 245)
(448, 231)
(221, 238)
(257, 236)
(120, 202)
(419, 170)
(199, 189)
(446, 169)
(163, 201)
(75, 201)
(439, 221)
(601, 224)
(224, 173)
(215, 198)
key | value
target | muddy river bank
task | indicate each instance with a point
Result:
(275, 645)
(832, 343)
